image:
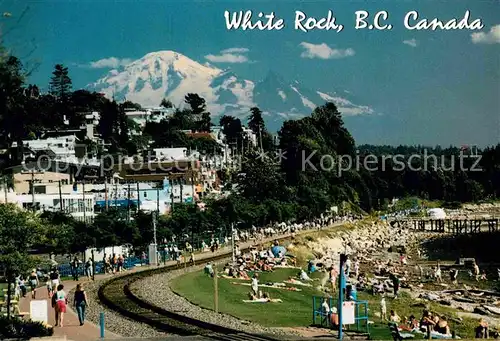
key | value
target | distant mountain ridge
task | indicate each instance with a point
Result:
(171, 75)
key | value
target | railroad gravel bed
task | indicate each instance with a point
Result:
(114, 322)
(156, 290)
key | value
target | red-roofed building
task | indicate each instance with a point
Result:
(200, 134)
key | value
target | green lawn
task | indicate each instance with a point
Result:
(296, 308)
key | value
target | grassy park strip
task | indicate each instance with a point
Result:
(295, 310)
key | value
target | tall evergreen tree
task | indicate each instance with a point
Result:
(256, 121)
(60, 84)
(206, 122)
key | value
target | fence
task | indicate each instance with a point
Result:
(65, 269)
(323, 319)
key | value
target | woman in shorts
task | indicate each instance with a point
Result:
(54, 279)
(60, 306)
(33, 279)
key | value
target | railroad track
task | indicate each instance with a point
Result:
(116, 295)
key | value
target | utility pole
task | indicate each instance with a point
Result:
(106, 192)
(171, 195)
(192, 185)
(216, 290)
(232, 244)
(61, 207)
(138, 198)
(181, 188)
(128, 202)
(84, 206)
(33, 189)
(153, 215)
(116, 192)
(343, 259)
(158, 200)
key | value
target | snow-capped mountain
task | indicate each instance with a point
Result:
(171, 75)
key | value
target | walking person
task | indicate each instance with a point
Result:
(383, 309)
(333, 278)
(89, 271)
(33, 280)
(22, 285)
(60, 305)
(121, 263)
(81, 303)
(54, 279)
(255, 285)
(395, 284)
(74, 268)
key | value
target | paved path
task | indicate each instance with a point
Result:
(72, 329)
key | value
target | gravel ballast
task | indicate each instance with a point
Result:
(156, 290)
(114, 322)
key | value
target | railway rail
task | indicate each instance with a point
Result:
(116, 295)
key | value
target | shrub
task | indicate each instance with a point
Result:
(16, 328)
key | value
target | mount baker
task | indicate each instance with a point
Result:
(171, 75)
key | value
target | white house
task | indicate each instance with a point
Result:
(149, 114)
(78, 205)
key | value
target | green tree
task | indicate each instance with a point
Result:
(60, 84)
(166, 103)
(256, 121)
(20, 230)
(196, 103)
(233, 131)
(12, 117)
(206, 122)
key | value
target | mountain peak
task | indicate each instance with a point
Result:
(169, 74)
(166, 55)
(274, 77)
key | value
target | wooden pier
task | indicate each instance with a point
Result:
(452, 226)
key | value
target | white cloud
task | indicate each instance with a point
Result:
(110, 63)
(412, 42)
(324, 51)
(231, 55)
(491, 37)
(235, 50)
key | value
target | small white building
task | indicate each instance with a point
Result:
(78, 205)
(170, 153)
(149, 114)
(61, 148)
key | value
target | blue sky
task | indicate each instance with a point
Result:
(440, 87)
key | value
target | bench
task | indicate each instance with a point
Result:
(397, 335)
